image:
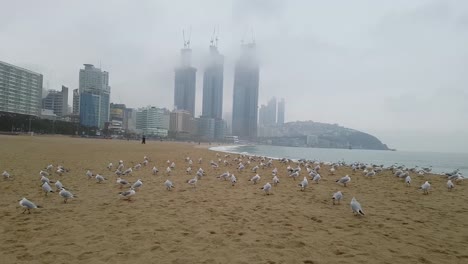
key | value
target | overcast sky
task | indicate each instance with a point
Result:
(395, 69)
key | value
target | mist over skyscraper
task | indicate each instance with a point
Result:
(213, 85)
(245, 99)
(184, 82)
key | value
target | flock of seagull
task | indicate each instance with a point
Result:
(241, 163)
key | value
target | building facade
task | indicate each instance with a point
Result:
(152, 121)
(94, 92)
(182, 124)
(57, 101)
(184, 83)
(129, 120)
(245, 99)
(20, 90)
(76, 102)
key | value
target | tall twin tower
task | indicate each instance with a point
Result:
(245, 99)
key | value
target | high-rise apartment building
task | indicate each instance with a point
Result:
(281, 106)
(94, 96)
(245, 101)
(57, 101)
(20, 90)
(184, 83)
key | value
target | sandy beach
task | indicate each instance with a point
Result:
(217, 222)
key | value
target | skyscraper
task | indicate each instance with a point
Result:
(94, 96)
(57, 101)
(210, 124)
(281, 105)
(20, 90)
(184, 83)
(245, 102)
(213, 85)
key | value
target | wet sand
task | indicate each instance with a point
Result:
(216, 223)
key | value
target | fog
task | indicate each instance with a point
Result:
(394, 69)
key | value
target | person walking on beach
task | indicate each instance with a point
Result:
(143, 139)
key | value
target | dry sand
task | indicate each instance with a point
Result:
(216, 223)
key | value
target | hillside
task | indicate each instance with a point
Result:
(323, 135)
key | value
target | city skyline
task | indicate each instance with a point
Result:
(324, 59)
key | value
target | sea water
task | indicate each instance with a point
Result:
(440, 162)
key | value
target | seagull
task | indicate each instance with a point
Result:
(189, 170)
(137, 184)
(337, 197)
(408, 180)
(304, 184)
(109, 167)
(193, 181)
(370, 173)
(200, 160)
(266, 188)
(122, 182)
(121, 166)
(356, 207)
(294, 175)
(317, 178)
(345, 180)
(254, 169)
(172, 165)
(28, 205)
(332, 170)
(49, 167)
(145, 162)
(66, 195)
(137, 167)
(155, 170)
(44, 179)
(89, 174)
(275, 180)
(58, 185)
(127, 194)
(274, 171)
(100, 178)
(255, 179)
(225, 175)
(128, 171)
(168, 185)
(450, 185)
(43, 173)
(233, 180)
(425, 187)
(168, 171)
(60, 171)
(5, 175)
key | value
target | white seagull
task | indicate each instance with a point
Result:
(266, 188)
(28, 205)
(317, 178)
(255, 179)
(122, 182)
(6, 175)
(408, 180)
(58, 185)
(46, 188)
(169, 185)
(137, 185)
(450, 185)
(127, 194)
(304, 184)
(66, 195)
(356, 207)
(275, 180)
(344, 180)
(155, 170)
(425, 187)
(193, 181)
(337, 197)
(100, 178)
